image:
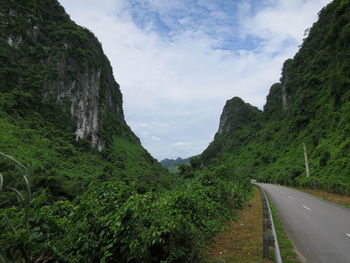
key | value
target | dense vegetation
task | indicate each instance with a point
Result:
(113, 222)
(64, 199)
(95, 198)
(43, 53)
(310, 104)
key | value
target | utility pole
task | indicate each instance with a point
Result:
(306, 162)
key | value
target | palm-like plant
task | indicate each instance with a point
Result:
(23, 195)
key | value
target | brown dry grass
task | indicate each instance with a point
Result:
(243, 241)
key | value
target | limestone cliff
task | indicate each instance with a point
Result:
(310, 104)
(237, 113)
(52, 57)
(60, 107)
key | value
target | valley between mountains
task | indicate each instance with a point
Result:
(76, 185)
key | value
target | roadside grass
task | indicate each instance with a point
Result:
(336, 198)
(242, 242)
(288, 253)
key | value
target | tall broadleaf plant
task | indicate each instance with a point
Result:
(21, 189)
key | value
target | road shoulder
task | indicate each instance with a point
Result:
(242, 242)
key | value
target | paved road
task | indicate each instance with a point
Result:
(319, 229)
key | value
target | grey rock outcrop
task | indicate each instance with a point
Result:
(237, 113)
(64, 64)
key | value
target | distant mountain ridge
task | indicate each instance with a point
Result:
(172, 164)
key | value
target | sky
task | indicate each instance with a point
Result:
(178, 61)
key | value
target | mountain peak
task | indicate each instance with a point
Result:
(237, 113)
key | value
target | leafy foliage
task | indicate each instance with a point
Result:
(310, 104)
(42, 52)
(113, 220)
(86, 205)
(20, 189)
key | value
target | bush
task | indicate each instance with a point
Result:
(114, 221)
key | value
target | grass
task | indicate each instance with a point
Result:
(242, 242)
(286, 247)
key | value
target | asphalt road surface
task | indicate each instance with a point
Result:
(320, 230)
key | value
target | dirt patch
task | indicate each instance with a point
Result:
(242, 242)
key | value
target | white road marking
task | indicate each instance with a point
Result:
(348, 234)
(289, 197)
(306, 207)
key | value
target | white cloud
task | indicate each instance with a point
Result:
(182, 144)
(155, 138)
(175, 84)
(280, 21)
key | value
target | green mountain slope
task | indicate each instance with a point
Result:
(237, 116)
(60, 107)
(310, 105)
(94, 194)
(172, 164)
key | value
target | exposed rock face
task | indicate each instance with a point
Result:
(235, 116)
(58, 97)
(284, 98)
(82, 98)
(237, 113)
(14, 41)
(82, 95)
(284, 82)
(75, 73)
(310, 104)
(274, 102)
